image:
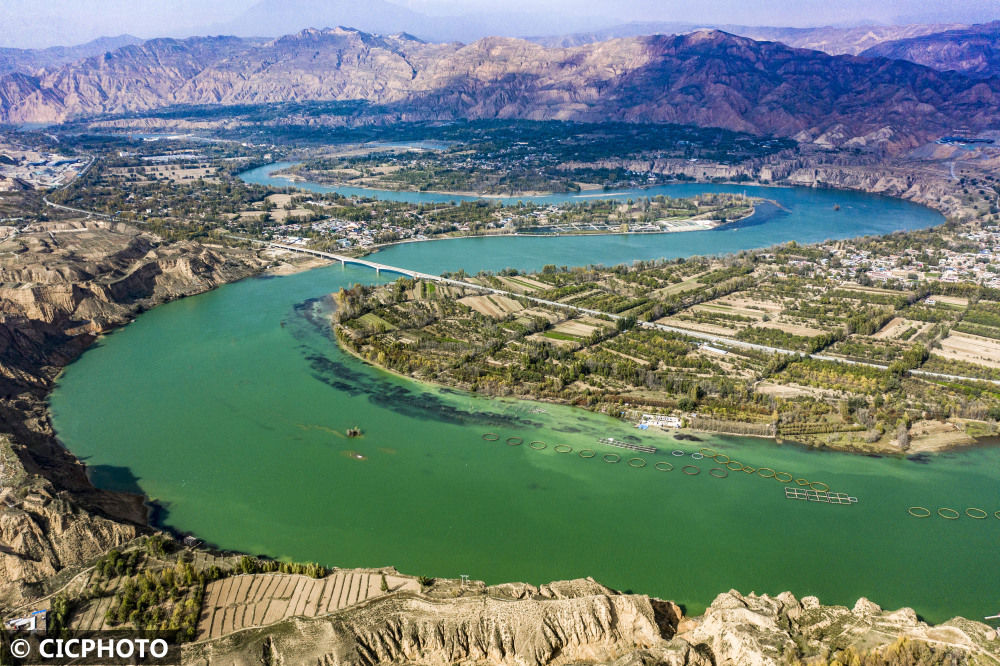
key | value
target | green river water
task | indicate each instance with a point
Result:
(227, 409)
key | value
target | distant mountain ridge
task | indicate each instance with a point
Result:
(832, 40)
(279, 17)
(30, 61)
(707, 78)
(972, 50)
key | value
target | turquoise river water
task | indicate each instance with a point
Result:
(228, 410)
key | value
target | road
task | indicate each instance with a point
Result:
(75, 210)
(88, 213)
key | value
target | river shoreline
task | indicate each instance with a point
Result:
(372, 249)
(869, 179)
(373, 441)
(775, 440)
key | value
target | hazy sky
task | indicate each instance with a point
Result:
(39, 23)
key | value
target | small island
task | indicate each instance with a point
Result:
(357, 225)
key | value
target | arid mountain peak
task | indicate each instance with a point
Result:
(708, 77)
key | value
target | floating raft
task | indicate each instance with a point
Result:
(819, 496)
(611, 441)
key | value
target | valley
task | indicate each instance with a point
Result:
(681, 313)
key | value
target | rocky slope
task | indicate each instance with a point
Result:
(44, 530)
(707, 78)
(62, 284)
(974, 50)
(584, 622)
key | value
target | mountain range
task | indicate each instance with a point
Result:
(707, 78)
(973, 50)
(829, 39)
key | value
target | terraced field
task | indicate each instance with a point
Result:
(255, 600)
(92, 614)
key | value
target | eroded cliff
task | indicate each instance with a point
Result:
(584, 622)
(62, 284)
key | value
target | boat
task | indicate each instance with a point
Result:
(611, 441)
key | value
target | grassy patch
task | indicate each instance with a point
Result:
(557, 335)
(374, 321)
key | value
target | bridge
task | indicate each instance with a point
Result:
(437, 278)
(706, 338)
(344, 259)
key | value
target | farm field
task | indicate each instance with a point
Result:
(859, 396)
(971, 348)
(256, 600)
(493, 305)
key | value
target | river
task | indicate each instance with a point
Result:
(229, 410)
(804, 215)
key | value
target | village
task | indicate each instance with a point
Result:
(973, 257)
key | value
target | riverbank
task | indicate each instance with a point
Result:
(290, 263)
(928, 184)
(45, 332)
(422, 441)
(689, 227)
(600, 408)
(918, 446)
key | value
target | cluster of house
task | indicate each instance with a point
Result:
(981, 266)
(977, 262)
(365, 233)
(660, 420)
(348, 233)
